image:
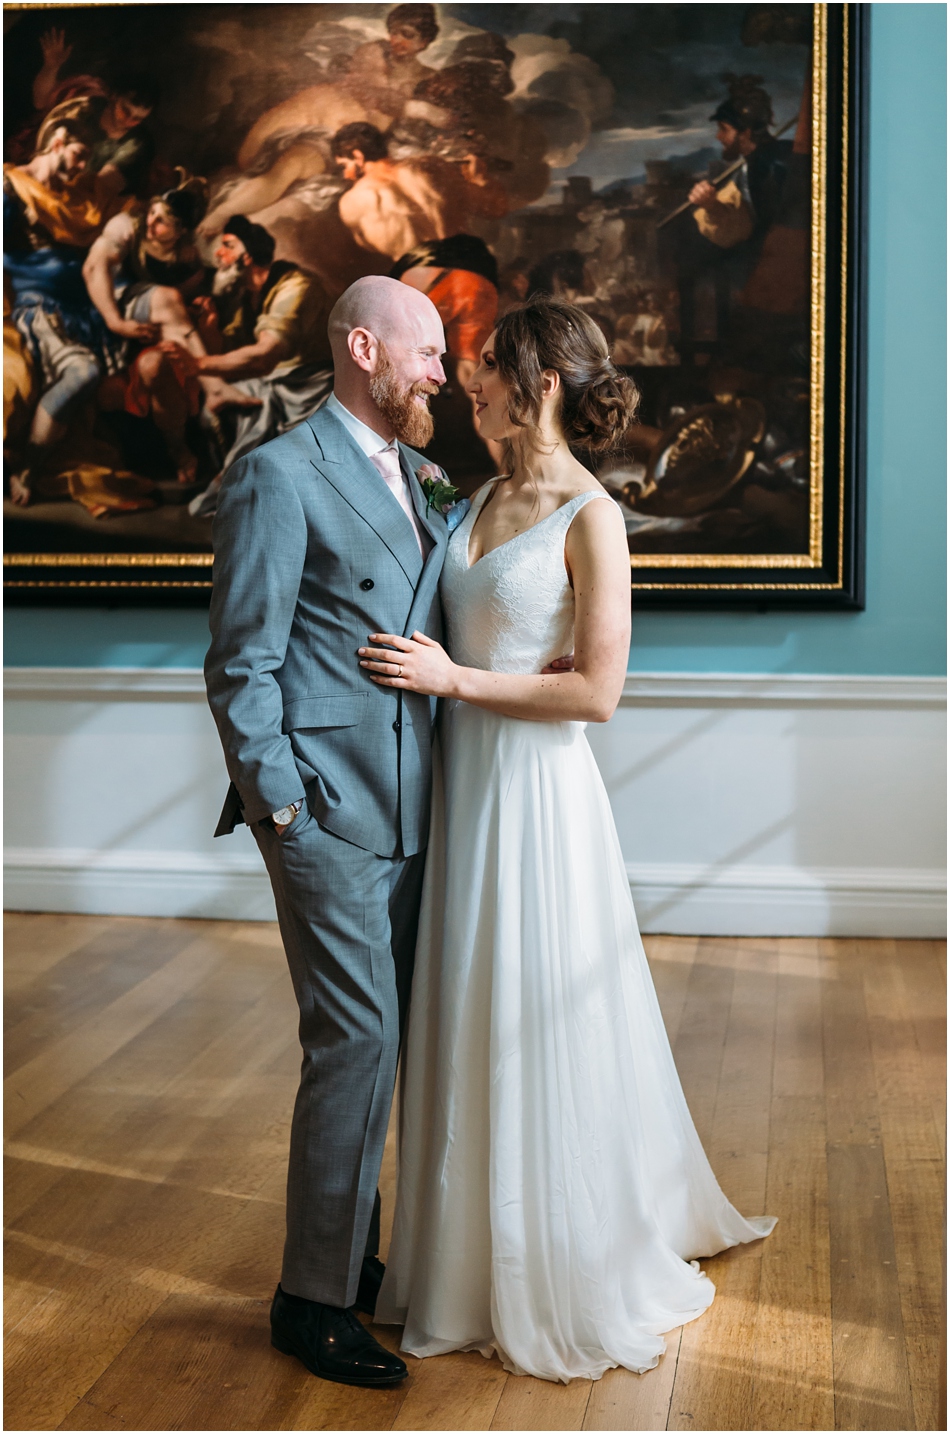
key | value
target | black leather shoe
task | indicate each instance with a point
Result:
(331, 1343)
(371, 1277)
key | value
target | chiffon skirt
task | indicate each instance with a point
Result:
(553, 1193)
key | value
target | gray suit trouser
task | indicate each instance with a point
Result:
(348, 921)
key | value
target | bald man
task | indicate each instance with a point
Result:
(322, 537)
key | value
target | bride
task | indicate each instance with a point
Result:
(553, 1194)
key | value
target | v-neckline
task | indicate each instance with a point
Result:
(469, 566)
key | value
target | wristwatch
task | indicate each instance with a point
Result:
(285, 816)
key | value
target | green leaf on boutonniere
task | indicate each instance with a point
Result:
(439, 494)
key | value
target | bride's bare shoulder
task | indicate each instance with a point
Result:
(585, 482)
(581, 480)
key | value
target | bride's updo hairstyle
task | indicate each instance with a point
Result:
(597, 401)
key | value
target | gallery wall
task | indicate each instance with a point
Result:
(902, 629)
(800, 796)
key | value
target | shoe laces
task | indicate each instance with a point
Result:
(354, 1322)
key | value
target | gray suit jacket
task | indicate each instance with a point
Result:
(312, 553)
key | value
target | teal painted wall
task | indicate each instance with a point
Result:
(902, 630)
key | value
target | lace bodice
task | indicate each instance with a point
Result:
(513, 610)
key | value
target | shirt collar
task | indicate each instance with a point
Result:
(367, 438)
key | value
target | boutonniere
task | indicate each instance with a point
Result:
(439, 494)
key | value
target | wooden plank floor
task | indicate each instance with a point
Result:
(150, 1072)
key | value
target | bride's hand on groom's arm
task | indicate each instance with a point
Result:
(417, 663)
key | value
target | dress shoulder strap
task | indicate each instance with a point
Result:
(481, 497)
(574, 505)
(583, 498)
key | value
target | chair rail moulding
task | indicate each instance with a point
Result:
(92, 684)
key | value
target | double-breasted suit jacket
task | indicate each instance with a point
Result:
(312, 554)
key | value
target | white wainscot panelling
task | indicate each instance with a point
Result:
(745, 805)
(114, 781)
(780, 806)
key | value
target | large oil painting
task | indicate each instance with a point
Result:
(188, 189)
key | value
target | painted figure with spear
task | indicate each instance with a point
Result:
(741, 200)
(758, 206)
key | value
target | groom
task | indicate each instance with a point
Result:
(322, 537)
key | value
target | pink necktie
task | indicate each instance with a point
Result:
(386, 463)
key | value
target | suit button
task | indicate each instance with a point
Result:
(397, 725)
(366, 584)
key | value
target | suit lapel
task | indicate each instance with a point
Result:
(431, 521)
(347, 468)
(434, 525)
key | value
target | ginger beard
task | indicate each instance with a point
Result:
(411, 421)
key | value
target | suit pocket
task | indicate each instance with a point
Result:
(300, 822)
(345, 709)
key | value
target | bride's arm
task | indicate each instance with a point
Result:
(599, 563)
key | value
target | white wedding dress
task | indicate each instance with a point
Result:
(552, 1187)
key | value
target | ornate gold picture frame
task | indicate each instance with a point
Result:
(692, 175)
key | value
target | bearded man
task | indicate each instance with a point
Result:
(321, 537)
(271, 346)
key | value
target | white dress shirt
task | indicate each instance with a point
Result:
(384, 457)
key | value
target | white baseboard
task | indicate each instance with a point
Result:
(788, 901)
(678, 898)
(137, 883)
